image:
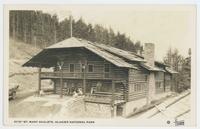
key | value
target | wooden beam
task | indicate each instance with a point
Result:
(61, 84)
(54, 86)
(164, 85)
(112, 99)
(84, 83)
(84, 76)
(39, 80)
(126, 91)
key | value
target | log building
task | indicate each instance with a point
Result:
(106, 75)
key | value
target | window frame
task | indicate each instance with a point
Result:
(138, 87)
(70, 67)
(159, 85)
(108, 68)
(89, 68)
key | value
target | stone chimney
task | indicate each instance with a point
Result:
(149, 57)
(149, 53)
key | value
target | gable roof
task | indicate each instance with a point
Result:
(113, 55)
(68, 43)
(76, 43)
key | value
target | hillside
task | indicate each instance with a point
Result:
(19, 53)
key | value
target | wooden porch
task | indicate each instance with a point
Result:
(110, 97)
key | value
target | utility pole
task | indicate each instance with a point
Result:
(71, 26)
(55, 31)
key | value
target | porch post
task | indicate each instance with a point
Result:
(164, 83)
(84, 82)
(112, 99)
(61, 83)
(126, 91)
(84, 75)
(39, 80)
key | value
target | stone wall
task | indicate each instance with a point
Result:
(149, 53)
(98, 110)
(151, 87)
(132, 106)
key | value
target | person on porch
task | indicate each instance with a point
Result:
(98, 87)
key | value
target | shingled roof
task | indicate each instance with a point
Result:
(116, 56)
(41, 58)
(122, 53)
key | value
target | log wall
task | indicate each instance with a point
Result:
(85, 57)
(98, 63)
(138, 80)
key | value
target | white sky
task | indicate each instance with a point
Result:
(164, 25)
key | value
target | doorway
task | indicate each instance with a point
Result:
(119, 110)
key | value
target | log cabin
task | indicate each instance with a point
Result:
(106, 75)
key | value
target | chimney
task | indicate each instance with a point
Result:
(149, 53)
(149, 57)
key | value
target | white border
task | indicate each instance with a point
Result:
(99, 2)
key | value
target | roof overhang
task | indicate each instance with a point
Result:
(151, 68)
(48, 57)
(171, 71)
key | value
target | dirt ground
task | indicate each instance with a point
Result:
(52, 106)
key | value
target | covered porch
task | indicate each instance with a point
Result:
(94, 90)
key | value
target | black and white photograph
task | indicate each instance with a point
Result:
(116, 63)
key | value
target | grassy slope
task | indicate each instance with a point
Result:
(19, 53)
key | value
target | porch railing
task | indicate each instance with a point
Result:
(76, 75)
(103, 97)
(59, 74)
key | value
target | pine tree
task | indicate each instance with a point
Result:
(42, 29)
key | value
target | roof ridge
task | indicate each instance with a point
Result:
(122, 53)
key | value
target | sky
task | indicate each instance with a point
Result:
(164, 25)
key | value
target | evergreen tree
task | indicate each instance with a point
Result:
(42, 29)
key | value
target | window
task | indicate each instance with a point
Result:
(159, 85)
(138, 87)
(146, 77)
(82, 67)
(71, 67)
(106, 68)
(90, 68)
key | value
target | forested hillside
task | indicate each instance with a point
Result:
(42, 29)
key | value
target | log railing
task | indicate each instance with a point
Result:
(75, 75)
(103, 97)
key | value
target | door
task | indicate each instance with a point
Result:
(119, 110)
